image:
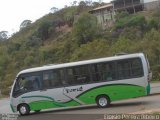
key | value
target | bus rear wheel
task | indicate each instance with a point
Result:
(24, 109)
(103, 101)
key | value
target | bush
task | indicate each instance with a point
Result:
(94, 49)
(44, 30)
(122, 45)
(153, 23)
(121, 15)
(84, 29)
(130, 21)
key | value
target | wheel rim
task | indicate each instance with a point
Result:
(23, 110)
(103, 101)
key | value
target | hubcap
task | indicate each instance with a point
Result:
(23, 110)
(103, 101)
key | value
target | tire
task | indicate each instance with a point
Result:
(103, 101)
(24, 109)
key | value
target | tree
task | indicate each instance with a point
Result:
(74, 3)
(25, 23)
(84, 28)
(88, 2)
(69, 15)
(32, 42)
(94, 49)
(82, 6)
(3, 35)
(96, 4)
(53, 9)
(43, 30)
(58, 22)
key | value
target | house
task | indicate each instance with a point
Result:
(131, 6)
(151, 4)
(105, 14)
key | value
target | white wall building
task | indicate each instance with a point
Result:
(151, 4)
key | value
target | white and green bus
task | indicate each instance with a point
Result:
(97, 81)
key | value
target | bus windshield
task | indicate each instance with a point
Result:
(26, 83)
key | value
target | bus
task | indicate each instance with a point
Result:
(97, 81)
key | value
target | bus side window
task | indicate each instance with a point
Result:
(77, 75)
(95, 73)
(82, 74)
(56, 78)
(52, 79)
(61, 77)
(137, 69)
(46, 79)
(32, 83)
(36, 83)
(108, 70)
(70, 76)
(129, 68)
(124, 69)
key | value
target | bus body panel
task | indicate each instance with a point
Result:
(147, 73)
(116, 90)
(85, 94)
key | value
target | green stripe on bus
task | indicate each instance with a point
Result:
(113, 91)
(45, 104)
(38, 105)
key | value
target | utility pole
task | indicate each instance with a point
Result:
(133, 6)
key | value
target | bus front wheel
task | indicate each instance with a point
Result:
(103, 101)
(24, 109)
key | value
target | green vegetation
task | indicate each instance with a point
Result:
(85, 28)
(71, 34)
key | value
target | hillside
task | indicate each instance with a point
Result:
(72, 34)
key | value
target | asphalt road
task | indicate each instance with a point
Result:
(155, 88)
(93, 112)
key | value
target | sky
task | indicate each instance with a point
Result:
(14, 12)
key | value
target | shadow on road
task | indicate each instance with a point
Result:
(127, 104)
(71, 115)
(64, 117)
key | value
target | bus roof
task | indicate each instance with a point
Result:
(63, 65)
